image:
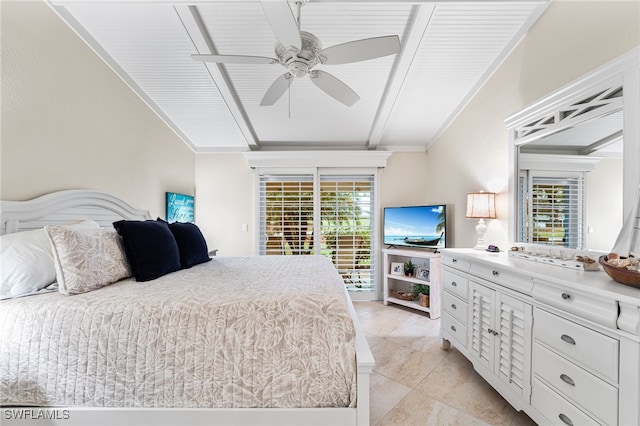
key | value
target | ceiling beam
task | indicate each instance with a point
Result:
(410, 45)
(197, 31)
(602, 143)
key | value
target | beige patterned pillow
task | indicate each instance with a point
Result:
(87, 259)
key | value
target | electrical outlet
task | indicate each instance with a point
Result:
(245, 227)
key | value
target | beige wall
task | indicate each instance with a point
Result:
(69, 122)
(225, 202)
(604, 204)
(569, 40)
(404, 181)
(226, 193)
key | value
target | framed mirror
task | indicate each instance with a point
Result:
(570, 185)
(574, 160)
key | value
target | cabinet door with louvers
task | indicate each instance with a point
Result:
(500, 336)
(513, 325)
(481, 331)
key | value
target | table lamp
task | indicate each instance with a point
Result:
(481, 205)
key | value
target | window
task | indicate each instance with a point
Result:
(286, 214)
(327, 214)
(551, 208)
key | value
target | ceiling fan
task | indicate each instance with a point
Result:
(300, 51)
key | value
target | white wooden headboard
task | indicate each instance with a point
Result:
(63, 207)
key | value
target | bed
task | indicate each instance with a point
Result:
(234, 340)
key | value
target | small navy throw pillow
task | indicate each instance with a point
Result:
(191, 244)
(150, 247)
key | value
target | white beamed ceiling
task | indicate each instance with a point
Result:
(407, 100)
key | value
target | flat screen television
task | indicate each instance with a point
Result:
(416, 226)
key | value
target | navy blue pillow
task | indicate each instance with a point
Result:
(150, 247)
(191, 244)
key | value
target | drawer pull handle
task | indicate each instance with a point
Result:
(454, 284)
(565, 419)
(566, 296)
(495, 273)
(568, 339)
(454, 260)
(568, 380)
(453, 327)
(453, 305)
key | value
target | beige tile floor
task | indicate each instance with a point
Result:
(416, 382)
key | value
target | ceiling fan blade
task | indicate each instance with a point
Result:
(282, 22)
(234, 59)
(276, 90)
(361, 50)
(334, 87)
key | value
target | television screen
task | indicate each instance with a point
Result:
(415, 226)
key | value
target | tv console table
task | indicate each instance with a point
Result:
(424, 259)
(562, 345)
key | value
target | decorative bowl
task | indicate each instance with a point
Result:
(621, 275)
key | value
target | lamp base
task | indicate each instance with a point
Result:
(481, 228)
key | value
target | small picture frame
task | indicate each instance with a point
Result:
(397, 268)
(423, 274)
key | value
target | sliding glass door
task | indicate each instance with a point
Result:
(326, 214)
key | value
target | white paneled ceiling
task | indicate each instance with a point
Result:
(406, 99)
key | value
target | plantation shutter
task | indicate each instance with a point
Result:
(322, 214)
(286, 214)
(347, 227)
(523, 208)
(555, 210)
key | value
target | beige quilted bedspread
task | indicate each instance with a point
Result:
(263, 331)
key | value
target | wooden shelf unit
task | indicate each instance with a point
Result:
(421, 258)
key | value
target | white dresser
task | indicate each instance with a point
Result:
(562, 345)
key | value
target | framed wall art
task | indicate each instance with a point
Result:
(180, 207)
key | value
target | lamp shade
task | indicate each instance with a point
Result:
(481, 205)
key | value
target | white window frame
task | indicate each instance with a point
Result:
(576, 230)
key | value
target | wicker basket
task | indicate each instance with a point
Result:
(402, 295)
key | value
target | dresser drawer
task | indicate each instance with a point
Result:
(455, 283)
(555, 408)
(456, 262)
(597, 309)
(593, 395)
(455, 329)
(513, 280)
(455, 306)
(589, 349)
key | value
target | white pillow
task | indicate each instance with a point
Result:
(87, 259)
(26, 261)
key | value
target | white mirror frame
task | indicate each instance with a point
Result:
(624, 71)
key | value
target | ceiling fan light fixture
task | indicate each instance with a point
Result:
(300, 61)
(298, 68)
(300, 51)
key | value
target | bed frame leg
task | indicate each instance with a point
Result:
(363, 407)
